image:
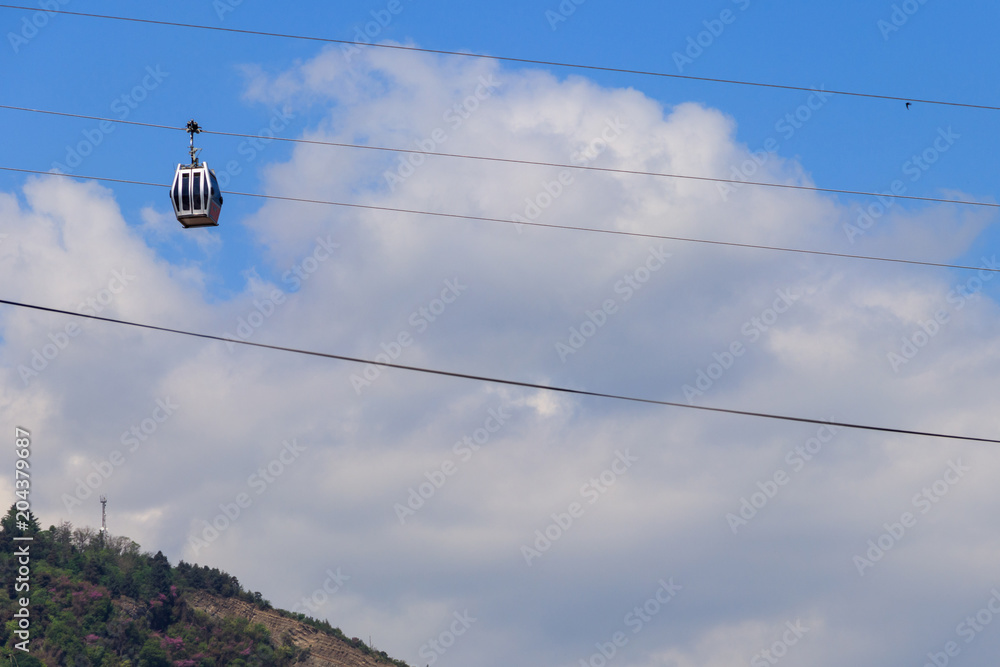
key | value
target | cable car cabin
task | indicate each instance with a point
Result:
(196, 196)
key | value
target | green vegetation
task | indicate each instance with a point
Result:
(96, 600)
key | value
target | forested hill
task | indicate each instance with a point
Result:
(103, 602)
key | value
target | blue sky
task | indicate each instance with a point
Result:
(850, 143)
(654, 493)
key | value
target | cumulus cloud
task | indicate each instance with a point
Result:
(279, 467)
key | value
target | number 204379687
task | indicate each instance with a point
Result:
(22, 478)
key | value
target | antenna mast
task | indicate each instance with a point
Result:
(104, 518)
